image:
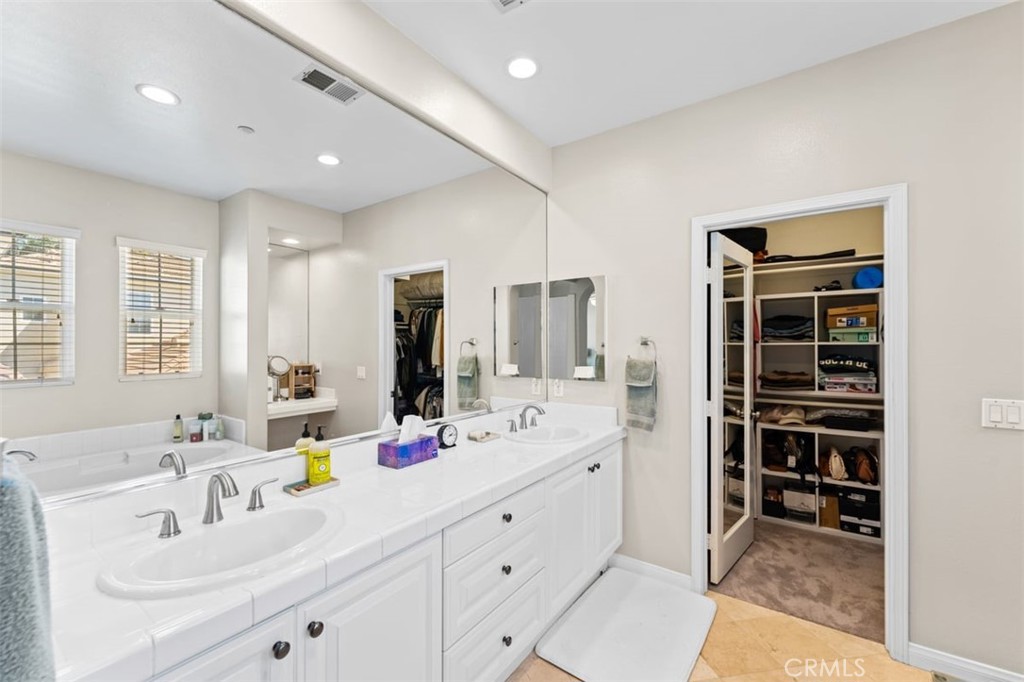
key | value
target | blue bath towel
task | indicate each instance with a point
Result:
(26, 647)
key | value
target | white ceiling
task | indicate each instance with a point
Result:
(68, 75)
(606, 63)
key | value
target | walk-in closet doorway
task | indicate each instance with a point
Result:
(707, 401)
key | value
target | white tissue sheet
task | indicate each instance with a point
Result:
(412, 427)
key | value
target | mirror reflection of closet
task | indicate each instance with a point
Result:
(577, 330)
(419, 346)
(518, 346)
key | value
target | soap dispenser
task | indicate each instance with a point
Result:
(319, 459)
(304, 441)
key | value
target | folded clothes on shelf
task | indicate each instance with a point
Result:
(736, 330)
(787, 328)
(787, 381)
(735, 378)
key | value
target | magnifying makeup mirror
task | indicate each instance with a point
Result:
(278, 367)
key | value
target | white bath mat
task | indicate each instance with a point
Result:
(630, 627)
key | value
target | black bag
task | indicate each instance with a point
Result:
(753, 239)
(736, 448)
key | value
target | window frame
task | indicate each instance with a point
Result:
(196, 313)
(69, 236)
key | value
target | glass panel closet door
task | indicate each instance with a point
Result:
(731, 405)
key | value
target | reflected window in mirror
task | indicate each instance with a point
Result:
(577, 329)
(518, 330)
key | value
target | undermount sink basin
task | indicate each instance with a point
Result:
(209, 557)
(547, 435)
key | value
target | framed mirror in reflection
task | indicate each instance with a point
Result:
(577, 329)
(518, 330)
(227, 147)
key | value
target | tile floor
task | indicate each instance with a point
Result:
(748, 643)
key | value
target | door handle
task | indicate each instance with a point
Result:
(506, 569)
(597, 466)
(281, 649)
(507, 640)
(506, 517)
(315, 629)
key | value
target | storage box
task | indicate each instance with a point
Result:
(854, 309)
(857, 335)
(828, 508)
(797, 497)
(845, 321)
(734, 489)
(394, 456)
(771, 504)
(871, 529)
(860, 505)
(850, 385)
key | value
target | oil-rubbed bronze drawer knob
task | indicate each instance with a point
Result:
(506, 569)
(506, 517)
(507, 640)
(316, 628)
(281, 650)
(597, 466)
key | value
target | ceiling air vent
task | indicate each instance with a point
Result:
(506, 5)
(331, 84)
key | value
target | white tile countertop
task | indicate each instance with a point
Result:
(375, 511)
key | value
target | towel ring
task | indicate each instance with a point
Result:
(470, 341)
(648, 341)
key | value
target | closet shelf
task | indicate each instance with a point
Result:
(817, 428)
(813, 478)
(819, 394)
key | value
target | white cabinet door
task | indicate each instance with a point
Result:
(266, 653)
(384, 624)
(606, 503)
(569, 540)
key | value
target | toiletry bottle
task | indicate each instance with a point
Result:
(218, 432)
(304, 441)
(195, 431)
(178, 434)
(319, 459)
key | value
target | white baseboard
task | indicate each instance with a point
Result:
(963, 668)
(628, 563)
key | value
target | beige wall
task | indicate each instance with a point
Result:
(860, 230)
(361, 44)
(490, 227)
(941, 111)
(104, 207)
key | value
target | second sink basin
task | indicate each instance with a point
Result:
(218, 555)
(547, 435)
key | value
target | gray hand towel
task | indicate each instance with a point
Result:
(468, 381)
(26, 647)
(641, 393)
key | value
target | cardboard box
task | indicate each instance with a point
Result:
(846, 321)
(856, 335)
(853, 310)
(828, 510)
(394, 456)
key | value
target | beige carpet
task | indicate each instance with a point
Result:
(822, 578)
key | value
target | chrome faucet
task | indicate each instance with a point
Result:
(170, 459)
(533, 421)
(221, 485)
(30, 456)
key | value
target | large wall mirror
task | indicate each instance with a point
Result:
(179, 148)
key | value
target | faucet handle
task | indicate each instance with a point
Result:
(256, 496)
(169, 527)
(533, 420)
(512, 428)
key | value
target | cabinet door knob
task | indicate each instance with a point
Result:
(281, 649)
(506, 569)
(597, 466)
(315, 628)
(507, 640)
(506, 517)
(590, 468)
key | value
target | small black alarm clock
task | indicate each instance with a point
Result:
(447, 435)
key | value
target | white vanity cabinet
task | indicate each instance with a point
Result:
(584, 506)
(384, 624)
(266, 653)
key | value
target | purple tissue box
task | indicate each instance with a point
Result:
(391, 454)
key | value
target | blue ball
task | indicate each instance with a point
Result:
(868, 278)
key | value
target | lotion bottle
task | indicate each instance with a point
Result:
(319, 459)
(304, 441)
(178, 433)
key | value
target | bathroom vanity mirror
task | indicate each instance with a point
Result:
(518, 346)
(184, 128)
(577, 328)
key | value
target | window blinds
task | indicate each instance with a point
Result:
(161, 310)
(37, 306)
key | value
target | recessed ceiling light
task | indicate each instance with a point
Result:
(522, 67)
(289, 241)
(328, 159)
(155, 93)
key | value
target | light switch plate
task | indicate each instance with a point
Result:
(360, 372)
(535, 386)
(1002, 414)
(558, 388)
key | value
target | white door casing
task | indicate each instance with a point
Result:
(893, 201)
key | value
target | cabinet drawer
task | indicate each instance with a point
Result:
(490, 649)
(487, 524)
(476, 584)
